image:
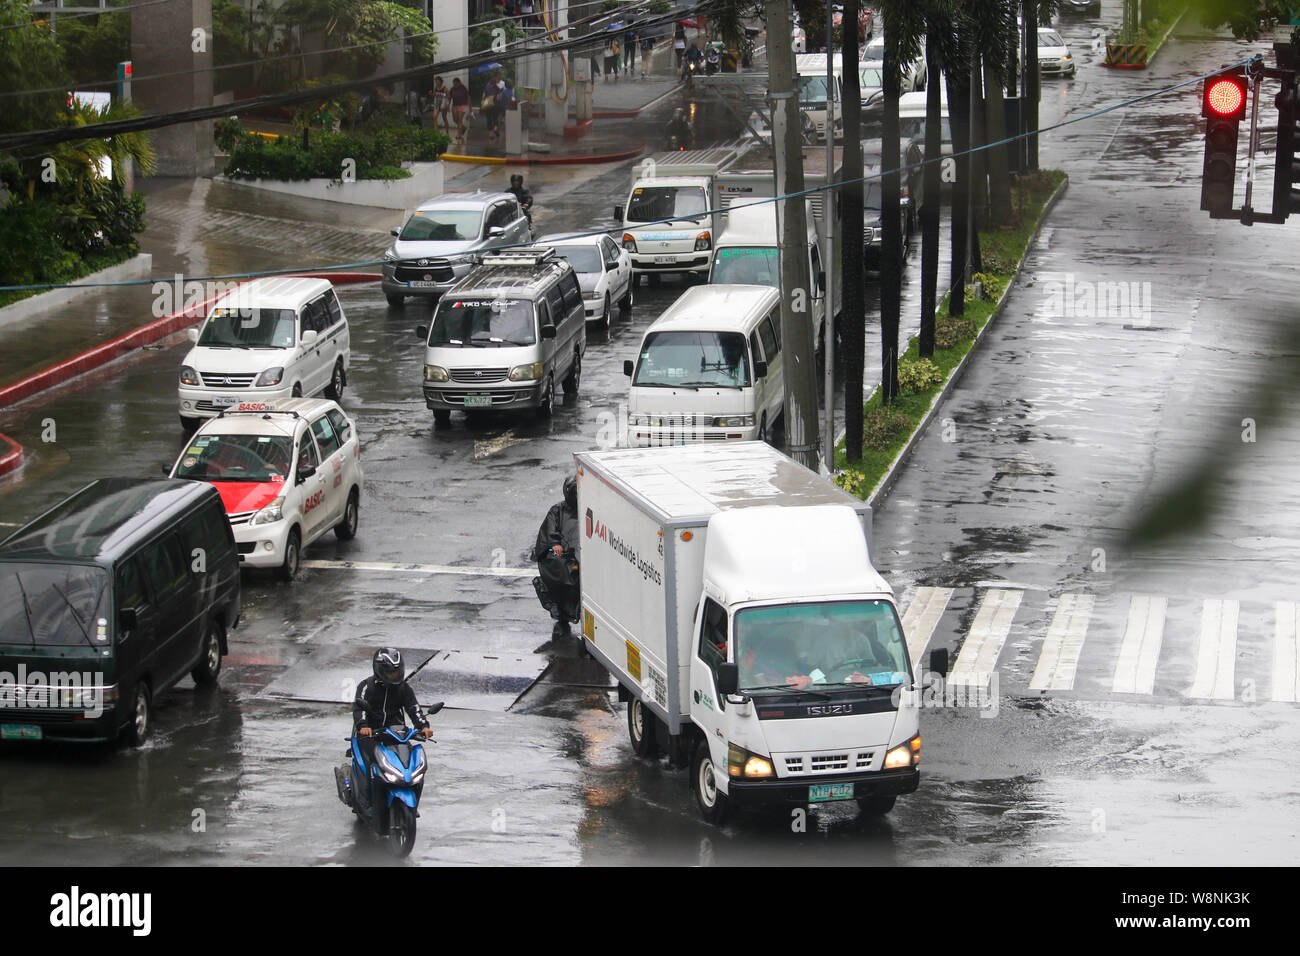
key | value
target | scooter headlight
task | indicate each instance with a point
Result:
(387, 769)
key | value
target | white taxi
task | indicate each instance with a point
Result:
(288, 471)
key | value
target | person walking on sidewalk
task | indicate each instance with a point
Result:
(611, 58)
(679, 47)
(441, 105)
(459, 106)
(647, 44)
(491, 108)
(629, 50)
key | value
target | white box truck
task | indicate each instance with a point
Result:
(669, 218)
(730, 592)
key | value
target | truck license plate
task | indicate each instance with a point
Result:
(665, 258)
(478, 401)
(225, 401)
(819, 793)
(19, 732)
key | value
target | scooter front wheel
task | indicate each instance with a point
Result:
(401, 829)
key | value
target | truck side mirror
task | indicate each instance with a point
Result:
(395, 231)
(548, 331)
(618, 213)
(760, 369)
(728, 678)
(422, 331)
(126, 621)
(627, 367)
(305, 472)
(821, 278)
(939, 661)
(192, 335)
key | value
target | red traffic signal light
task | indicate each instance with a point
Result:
(1225, 97)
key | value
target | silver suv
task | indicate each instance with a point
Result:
(431, 251)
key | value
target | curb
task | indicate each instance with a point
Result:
(11, 460)
(546, 160)
(887, 480)
(137, 267)
(1151, 54)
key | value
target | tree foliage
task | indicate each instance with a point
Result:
(356, 31)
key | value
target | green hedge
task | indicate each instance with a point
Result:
(378, 150)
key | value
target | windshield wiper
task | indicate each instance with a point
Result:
(707, 385)
(788, 687)
(27, 608)
(76, 617)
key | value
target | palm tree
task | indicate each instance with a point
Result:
(853, 325)
(940, 48)
(904, 23)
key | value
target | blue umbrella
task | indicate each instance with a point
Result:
(616, 25)
(484, 68)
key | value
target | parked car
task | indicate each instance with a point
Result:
(872, 224)
(109, 599)
(505, 336)
(1081, 6)
(433, 249)
(287, 472)
(604, 271)
(912, 111)
(1053, 55)
(267, 339)
(913, 74)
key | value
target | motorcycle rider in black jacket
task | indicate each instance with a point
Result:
(382, 700)
(557, 537)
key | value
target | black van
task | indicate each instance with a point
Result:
(106, 601)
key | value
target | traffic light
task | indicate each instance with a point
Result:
(1286, 176)
(1223, 105)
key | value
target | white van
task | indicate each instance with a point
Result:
(811, 80)
(709, 369)
(748, 253)
(271, 338)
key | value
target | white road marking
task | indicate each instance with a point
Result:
(922, 617)
(979, 652)
(1286, 655)
(1135, 672)
(420, 568)
(1064, 642)
(1217, 652)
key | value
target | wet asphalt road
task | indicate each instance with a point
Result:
(1054, 453)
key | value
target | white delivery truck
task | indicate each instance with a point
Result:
(669, 218)
(730, 592)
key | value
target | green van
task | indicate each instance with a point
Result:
(106, 601)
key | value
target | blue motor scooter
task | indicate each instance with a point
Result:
(385, 793)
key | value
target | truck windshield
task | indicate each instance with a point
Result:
(483, 323)
(747, 265)
(856, 643)
(653, 203)
(255, 458)
(442, 225)
(51, 605)
(812, 90)
(693, 360)
(246, 328)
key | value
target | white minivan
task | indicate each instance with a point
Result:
(709, 369)
(270, 338)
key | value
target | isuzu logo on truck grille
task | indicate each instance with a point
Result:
(827, 710)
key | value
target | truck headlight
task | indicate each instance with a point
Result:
(638, 418)
(733, 421)
(904, 755)
(271, 376)
(703, 242)
(526, 373)
(629, 242)
(435, 373)
(271, 513)
(742, 763)
(189, 376)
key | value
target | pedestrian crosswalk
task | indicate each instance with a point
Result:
(1127, 646)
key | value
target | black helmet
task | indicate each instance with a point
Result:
(387, 665)
(679, 113)
(516, 179)
(571, 491)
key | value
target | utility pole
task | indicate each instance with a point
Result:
(1032, 86)
(798, 366)
(829, 199)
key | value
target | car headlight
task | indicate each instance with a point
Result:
(1066, 57)
(271, 513)
(435, 373)
(390, 256)
(904, 755)
(592, 296)
(189, 376)
(629, 242)
(638, 418)
(742, 763)
(526, 373)
(870, 234)
(703, 242)
(271, 376)
(733, 421)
